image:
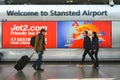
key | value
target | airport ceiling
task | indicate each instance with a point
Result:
(60, 1)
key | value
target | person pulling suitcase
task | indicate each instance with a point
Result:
(39, 48)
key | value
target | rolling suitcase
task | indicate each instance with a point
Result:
(22, 62)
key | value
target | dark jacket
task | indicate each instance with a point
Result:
(39, 43)
(87, 43)
(95, 44)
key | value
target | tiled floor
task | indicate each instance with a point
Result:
(107, 71)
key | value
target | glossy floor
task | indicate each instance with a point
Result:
(60, 71)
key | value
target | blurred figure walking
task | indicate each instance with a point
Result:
(39, 47)
(95, 48)
(87, 49)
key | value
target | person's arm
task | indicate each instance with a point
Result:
(36, 43)
(87, 43)
(95, 44)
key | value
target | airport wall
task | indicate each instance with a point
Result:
(99, 13)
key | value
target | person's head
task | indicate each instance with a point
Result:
(94, 34)
(42, 31)
(85, 33)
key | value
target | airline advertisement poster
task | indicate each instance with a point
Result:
(70, 34)
(18, 34)
(60, 34)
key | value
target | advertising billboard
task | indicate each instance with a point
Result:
(70, 34)
(60, 34)
(17, 34)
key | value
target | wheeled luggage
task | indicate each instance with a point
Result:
(24, 60)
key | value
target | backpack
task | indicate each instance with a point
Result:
(32, 41)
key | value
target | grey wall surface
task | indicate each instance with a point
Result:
(116, 34)
(65, 54)
(60, 54)
(69, 54)
(0, 34)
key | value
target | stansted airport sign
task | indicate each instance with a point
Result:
(56, 13)
(59, 12)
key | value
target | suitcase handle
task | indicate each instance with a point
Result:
(31, 55)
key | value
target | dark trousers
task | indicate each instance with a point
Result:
(38, 62)
(95, 54)
(84, 55)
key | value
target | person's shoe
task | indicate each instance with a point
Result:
(92, 65)
(96, 67)
(40, 69)
(79, 65)
(34, 67)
